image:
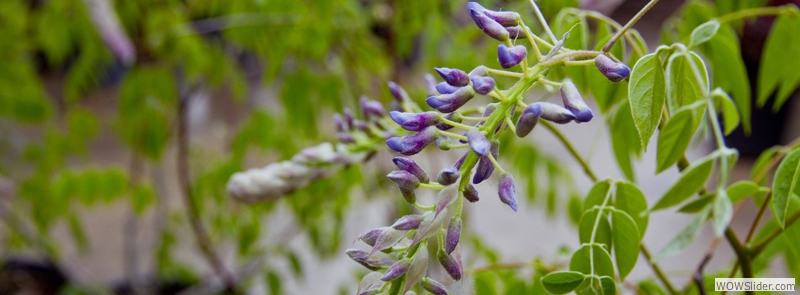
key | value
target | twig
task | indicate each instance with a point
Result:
(658, 270)
(568, 145)
(627, 26)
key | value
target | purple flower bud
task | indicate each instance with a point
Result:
(448, 103)
(415, 121)
(445, 88)
(516, 32)
(460, 161)
(410, 166)
(574, 102)
(368, 261)
(510, 57)
(430, 84)
(371, 107)
(485, 23)
(387, 239)
(614, 71)
(553, 112)
(361, 125)
(339, 121)
(448, 176)
(398, 92)
(485, 166)
(507, 190)
(453, 235)
(413, 144)
(374, 291)
(528, 119)
(455, 117)
(450, 264)
(446, 197)
(408, 222)
(453, 77)
(471, 194)
(479, 71)
(406, 182)
(349, 116)
(477, 142)
(346, 137)
(369, 237)
(443, 143)
(433, 286)
(504, 18)
(396, 270)
(483, 84)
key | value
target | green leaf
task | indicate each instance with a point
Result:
(626, 242)
(608, 286)
(723, 212)
(686, 236)
(141, 198)
(484, 284)
(724, 103)
(562, 282)
(762, 163)
(704, 33)
(592, 227)
(274, 283)
(785, 184)
(632, 200)
(690, 181)
(675, 137)
(729, 71)
(646, 94)
(742, 189)
(575, 208)
(683, 87)
(625, 139)
(597, 194)
(779, 66)
(602, 265)
(698, 204)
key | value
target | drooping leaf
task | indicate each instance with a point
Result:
(675, 137)
(691, 180)
(785, 184)
(684, 87)
(626, 238)
(625, 139)
(686, 236)
(703, 33)
(698, 204)
(562, 282)
(724, 104)
(723, 212)
(646, 94)
(778, 69)
(729, 72)
(631, 199)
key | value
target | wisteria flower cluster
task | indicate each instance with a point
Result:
(399, 255)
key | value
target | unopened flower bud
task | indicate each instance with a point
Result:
(504, 18)
(349, 116)
(448, 103)
(471, 194)
(448, 176)
(488, 25)
(453, 234)
(410, 166)
(406, 182)
(415, 121)
(528, 119)
(477, 142)
(483, 84)
(398, 92)
(339, 121)
(512, 56)
(574, 102)
(552, 112)
(453, 77)
(516, 32)
(450, 264)
(396, 270)
(371, 108)
(614, 71)
(387, 239)
(485, 166)
(408, 222)
(508, 191)
(460, 161)
(445, 88)
(345, 137)
(479, 71)
(369, 237)
(361, 125)
(455, 117)
(433, 286)
(413, 144)
(368, 261)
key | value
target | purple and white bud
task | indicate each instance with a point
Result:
(345, 137)
(460, 161)
(528, 119)
(478, 143)
(450, 264)
(446, 196)
(398, 92)
(397, 269)
(614, 71)
(574, 102)
(410, 166)
(552, 112)
(448, 103)
(415, 121)
(445, 88)
(349, 116)
(488, 25)
(508, 191)
(453, 234)
(406, 182)
(483, 84)
(479, 71)
(371, 107)
(433, 286)
(516, 32)
(471, 194)
(361, 125)
(485, 166)
(509, 57)
(413, 144)
(369, 237)
(453, 77)
(387, 239)
(430, 85)
(455, 117)
(448, 176)
(408, 222)
(367, 260)
(340, 125)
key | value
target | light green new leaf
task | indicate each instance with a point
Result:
(723, 212)
(686, 236)
(704, 33)
(683, 87)
(690, 181)
(724, 103)
(626, 238)
(593, 227)
(742, 189)
(785, 184)
(675, 137)
(779, 62)
(632, 200)
(562, 282)
(646, 94)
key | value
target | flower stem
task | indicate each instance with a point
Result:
(570, 148)
(753, 12)
(456, 124)
(543, 22)
(494, 162)
(627, 26)
(453, 135)
(432, 185)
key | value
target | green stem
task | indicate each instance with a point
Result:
(453, 135)
(741, 253)
(755, 250)
(658, 271)
(627, 26)
(456, 124)
(570, 148)
(753, 12)
(432, 185)
(496, 165)
(543, 22)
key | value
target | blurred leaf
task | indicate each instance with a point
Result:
(777, 72)
(785, 184)
(142, 197)
(704, 32)
(723, 212)
(686, 236)
(675, 137)
(725, 104)
(730, 74)
(273, 282)
(484, 284)
(691, 180)
(562, 282)
(742, 189)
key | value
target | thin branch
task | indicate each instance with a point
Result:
(627, 26)
(658, 270)
(571, 149)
